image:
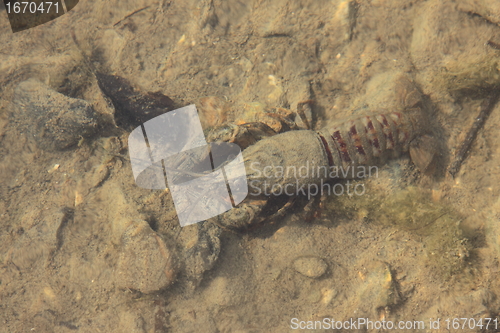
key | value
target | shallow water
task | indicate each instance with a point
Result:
(83, 248)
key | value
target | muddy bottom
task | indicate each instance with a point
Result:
(84, 249)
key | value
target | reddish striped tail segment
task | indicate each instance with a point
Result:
(373, 139)
(368, 140)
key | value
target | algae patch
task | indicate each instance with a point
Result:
(475, 74)
(412, 210)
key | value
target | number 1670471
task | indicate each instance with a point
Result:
(32, 7)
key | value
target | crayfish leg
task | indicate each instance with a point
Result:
(304, 112)
(242, 216)
(243, 135)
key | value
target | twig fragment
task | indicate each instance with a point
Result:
(486, 107)
(133, 13)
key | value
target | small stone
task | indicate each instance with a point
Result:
(39, 239)
(201, 244)
(378, 289)
(146, 263)
(312, 267)
(213, 111)
(54, 120)
(314, 296)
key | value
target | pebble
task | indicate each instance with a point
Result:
(55, 121)
(146, 263)
(312, 267)
(378, 289)
(213, 111)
